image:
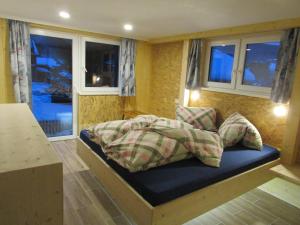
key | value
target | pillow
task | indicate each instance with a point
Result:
(232, 130)
(252, 138)
(201, 118)
(236, 128)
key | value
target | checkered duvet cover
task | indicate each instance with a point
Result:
(148, 141)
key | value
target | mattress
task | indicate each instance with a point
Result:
(165, 183)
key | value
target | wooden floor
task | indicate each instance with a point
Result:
(87, 203)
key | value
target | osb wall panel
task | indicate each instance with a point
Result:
(96, 109)
(258, 110)
(165, 78)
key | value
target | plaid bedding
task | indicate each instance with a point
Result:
(200, 117)
(149, 141)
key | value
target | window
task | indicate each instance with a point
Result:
(53, 65)
(222, 63)
(258, 59)
(245, 66)
(100, 61)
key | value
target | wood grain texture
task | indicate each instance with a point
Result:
(198, 202)
(95, 109)
(143, 74)
(287, 172)
(165, 78)
(292, 134)
(180, 209)
(31, 174)
(87, 202)
(284, 190)
(125, 196)
(6, 86)
(23, 143)
(258, 110)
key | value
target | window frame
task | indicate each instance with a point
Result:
(210, 44)
(75, 74)
(96, 90)
(240, 72)
(236, 86)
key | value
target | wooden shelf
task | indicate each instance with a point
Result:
(290, 173)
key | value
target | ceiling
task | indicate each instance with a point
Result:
(150, 18)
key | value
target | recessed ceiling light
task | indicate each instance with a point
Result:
(64, 14)
(128, 27)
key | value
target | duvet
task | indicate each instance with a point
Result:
(149, 141)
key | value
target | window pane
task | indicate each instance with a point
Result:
(221, 63)
(51, 65)
(102, 65)
(260, 64)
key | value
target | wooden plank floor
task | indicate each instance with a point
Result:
(87, 203)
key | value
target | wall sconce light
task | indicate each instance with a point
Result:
(186, 97)
(195, 95)
(280, 110)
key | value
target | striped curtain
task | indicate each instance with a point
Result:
(20, 60)
(127, 65)
(193, 70)
(285, 70)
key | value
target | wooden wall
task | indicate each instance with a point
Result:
(98, 108)
(159, 69)
(258, 110)
(165, 78)
(280, 132)
(165, 85)
(6, 87)
(143, 71)
(91, 109)
(165, 88)
(143, 64)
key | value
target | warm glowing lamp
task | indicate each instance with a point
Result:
(280, 110)
(195, 95)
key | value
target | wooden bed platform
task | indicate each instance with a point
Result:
(181, 209)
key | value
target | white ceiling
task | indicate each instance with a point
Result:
(151, 18)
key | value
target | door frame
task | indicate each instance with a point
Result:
(75, 74)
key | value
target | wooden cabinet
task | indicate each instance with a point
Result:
(31, 177)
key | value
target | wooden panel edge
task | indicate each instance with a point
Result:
(288, 172)
(121, 192)
(194, 204)
(237, 30)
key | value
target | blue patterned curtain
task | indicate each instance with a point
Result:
(193, 69)
(20, 60)
(127, 65)
(285, 70)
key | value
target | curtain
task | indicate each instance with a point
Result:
(286, 64)
(20, 60)
(193, 69)
(127, 65)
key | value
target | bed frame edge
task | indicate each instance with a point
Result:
(179, 210)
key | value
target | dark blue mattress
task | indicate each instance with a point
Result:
(165, 183)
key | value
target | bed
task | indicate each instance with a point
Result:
(180, 191)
